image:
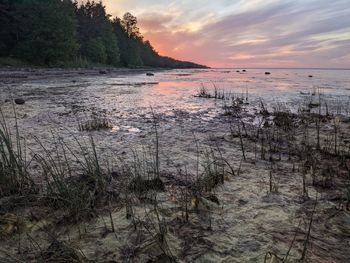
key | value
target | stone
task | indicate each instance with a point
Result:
(19, 101)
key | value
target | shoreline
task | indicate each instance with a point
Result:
(226, 189)
(12, 75)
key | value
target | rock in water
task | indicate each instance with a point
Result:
(149, 74)
(267, 73)
(103, 72)
(19, 101)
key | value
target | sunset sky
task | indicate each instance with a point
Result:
(245, 33)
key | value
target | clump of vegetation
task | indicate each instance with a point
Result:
(79, 190)
(234, 108)
(60, 252)
(95, 123)
(14, 176)
(283, 118)
(203, 92)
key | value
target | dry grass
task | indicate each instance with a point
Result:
(95, 123)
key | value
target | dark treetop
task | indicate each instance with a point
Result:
(65, 34)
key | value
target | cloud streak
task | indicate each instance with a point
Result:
(246, 33)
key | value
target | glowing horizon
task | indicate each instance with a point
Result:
(245, 33)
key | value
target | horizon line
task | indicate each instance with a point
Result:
(279, 68)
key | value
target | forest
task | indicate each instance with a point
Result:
(64, 33)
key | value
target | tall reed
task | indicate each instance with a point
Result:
(14, 175)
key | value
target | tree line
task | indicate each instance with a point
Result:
(65, 33)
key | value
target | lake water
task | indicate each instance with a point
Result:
(176, 89)
(59, 103)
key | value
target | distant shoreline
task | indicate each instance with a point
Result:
(289, 68)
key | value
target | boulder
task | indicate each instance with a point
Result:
(19, 101)
(149, 74)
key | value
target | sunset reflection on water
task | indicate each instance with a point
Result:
(177, 88)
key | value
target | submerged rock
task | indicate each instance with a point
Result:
(19, 101)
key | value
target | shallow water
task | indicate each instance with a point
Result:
(249, 222)
(174, 90)
(59, 103)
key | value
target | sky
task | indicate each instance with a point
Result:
(245, 33)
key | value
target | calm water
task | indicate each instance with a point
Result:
(175, 89)
(127, 99)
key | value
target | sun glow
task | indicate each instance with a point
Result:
(219, 32)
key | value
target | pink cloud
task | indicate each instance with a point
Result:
(267, 34)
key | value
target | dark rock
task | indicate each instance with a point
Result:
(310, 76)
(103, 72)
(149, 74)
(143, 185)
(19, 101)
(214, 199)
(267, 73)
(115, 175)
(237, 71)
(313, 105)
(7, 101)
(244, 70)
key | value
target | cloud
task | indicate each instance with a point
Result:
(255, 33)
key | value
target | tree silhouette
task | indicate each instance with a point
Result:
(129, 23)
(64, 32)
